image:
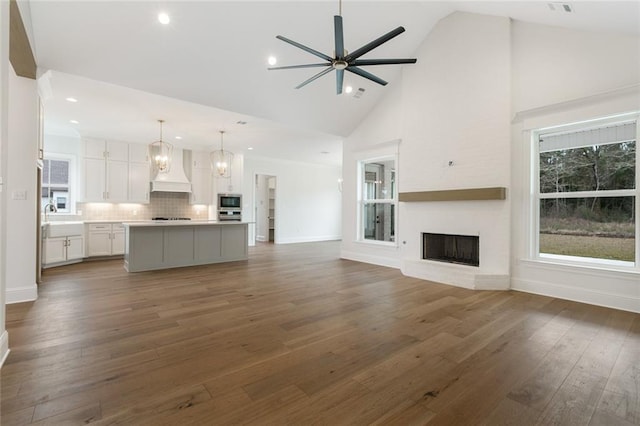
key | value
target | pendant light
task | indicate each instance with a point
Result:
(160, 153)
(221, 160)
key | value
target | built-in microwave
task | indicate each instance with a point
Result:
(229, 201)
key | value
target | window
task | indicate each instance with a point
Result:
(378, 200)
(56, 183)
(587, 194)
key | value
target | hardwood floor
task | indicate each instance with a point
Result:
(297, 336)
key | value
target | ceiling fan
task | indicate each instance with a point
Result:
(344, 61)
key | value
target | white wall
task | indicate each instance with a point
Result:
(4, 144)
(457, 109)
(553, 65)
(21, 178)
(63, 145)
(453, 105)
(585, 76)
(378, 135)
(308, 203)
(480, 85)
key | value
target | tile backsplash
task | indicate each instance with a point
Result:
(161, 204)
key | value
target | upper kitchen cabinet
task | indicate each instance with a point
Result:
(234, 183)
(105, 171)
(201, 181)
(138, 153)
(110, 175)
(139, 173)
(101, 149)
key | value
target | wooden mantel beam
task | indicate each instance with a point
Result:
(469, 194)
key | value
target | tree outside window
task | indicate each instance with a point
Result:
(587, 195)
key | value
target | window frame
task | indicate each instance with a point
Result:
(363, 201)
(71, 184)
(537, 196)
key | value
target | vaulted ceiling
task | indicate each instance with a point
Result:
(207, 69)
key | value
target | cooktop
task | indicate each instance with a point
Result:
(170, 218)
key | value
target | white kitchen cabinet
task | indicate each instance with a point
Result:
(201, 186)
(115, 172)
(62, 249)
(117, 239)
(139, 178)
(234, 183)
(95, 179)
(105, 239)
(138, 153)
(105, 180)
(105, 171)
(112, 150)
(201, 178)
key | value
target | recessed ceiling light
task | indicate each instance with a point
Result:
(163, 18)
(72, 100)
(74, 122)
(250, 148)
(348, 89)
(272, 60)
(178, 137)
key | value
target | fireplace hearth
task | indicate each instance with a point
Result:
(459, 249)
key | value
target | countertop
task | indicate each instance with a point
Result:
(142, 223)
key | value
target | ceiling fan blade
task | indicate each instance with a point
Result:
(290, 67)
(305, 48)
(367, 75)
(339, 36)
(361, 62)
(339, 81)
(375, 43)
(320, 74)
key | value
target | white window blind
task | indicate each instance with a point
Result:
(618, 133)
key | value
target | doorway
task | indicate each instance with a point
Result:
(265, 206)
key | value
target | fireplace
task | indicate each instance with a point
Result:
(460, 249)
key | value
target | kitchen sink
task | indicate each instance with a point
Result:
(63, 228)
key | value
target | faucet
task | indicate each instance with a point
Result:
(49, 207)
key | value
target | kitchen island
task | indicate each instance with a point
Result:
(152, 244)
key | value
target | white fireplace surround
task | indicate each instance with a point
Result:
(486, 219)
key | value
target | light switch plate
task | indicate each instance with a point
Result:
(19, 194)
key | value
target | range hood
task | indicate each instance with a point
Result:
(173, 181)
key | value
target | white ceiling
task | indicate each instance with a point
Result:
(206, 70)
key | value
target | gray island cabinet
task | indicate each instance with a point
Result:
(153, 245)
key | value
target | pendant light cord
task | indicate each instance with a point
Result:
(340, 8)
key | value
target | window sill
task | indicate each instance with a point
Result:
(389, 244)
(566, 263)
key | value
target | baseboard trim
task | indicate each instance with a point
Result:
(368, 258)
(4, 347)
(308, 239)
(559, 291)
(22, 294)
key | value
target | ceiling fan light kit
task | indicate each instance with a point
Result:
(342, 60)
